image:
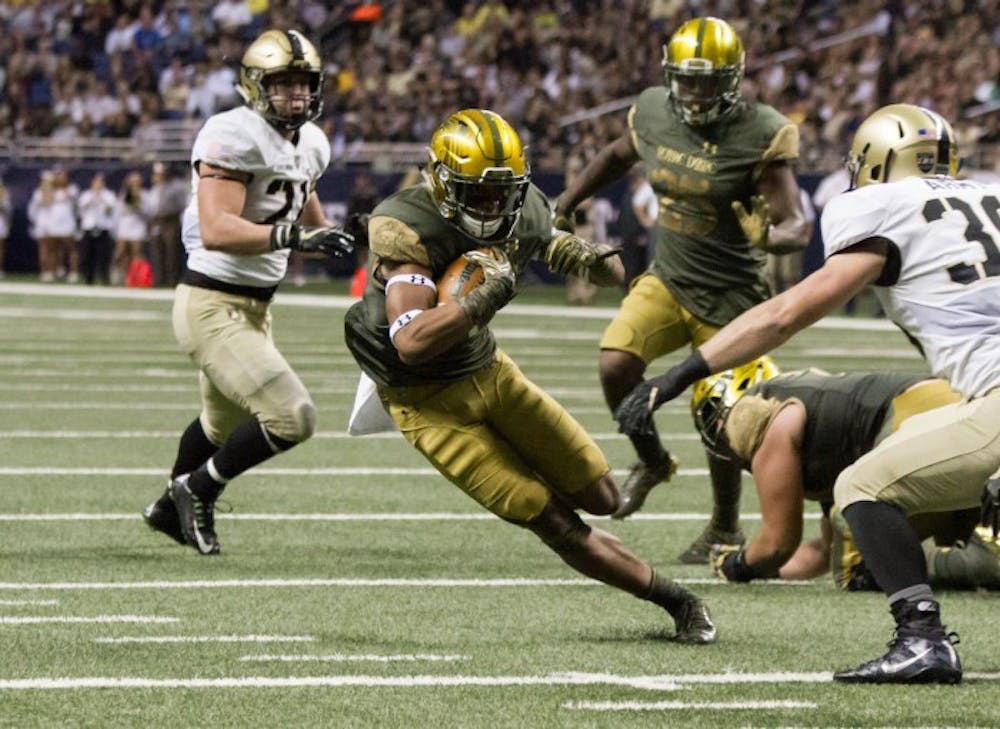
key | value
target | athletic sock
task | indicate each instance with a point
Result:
(193, 450)
(667, 594)
(248, 445)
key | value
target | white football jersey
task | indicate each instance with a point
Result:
(283, 175)
(947, 292)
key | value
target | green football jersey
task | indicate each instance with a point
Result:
(433, 243)
(844, 415)
(701, 253)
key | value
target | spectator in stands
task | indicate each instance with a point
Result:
(232, 16)
(174, 87)
(98, 208)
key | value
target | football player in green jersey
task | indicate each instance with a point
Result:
(828, 422)
(457, 398)
(722, 169)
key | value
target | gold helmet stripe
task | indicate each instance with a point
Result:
(498, 151)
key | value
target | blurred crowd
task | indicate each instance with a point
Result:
(563, 71)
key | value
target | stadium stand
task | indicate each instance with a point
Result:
(124, 83)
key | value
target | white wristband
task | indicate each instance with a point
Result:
(402, 320)
(416, 279)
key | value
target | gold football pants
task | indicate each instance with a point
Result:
(498, 437)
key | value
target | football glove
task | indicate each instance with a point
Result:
(332, 242)
(990, 516)
(567, 254)
(494, 292)
(635, 413)
(729, 562)
(756, 224)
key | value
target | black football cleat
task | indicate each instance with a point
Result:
(693, 623)
(197, 517)
(700, 550)
(640, 481)
(911, 659)
(162, 516)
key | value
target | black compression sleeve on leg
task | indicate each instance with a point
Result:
(889, 545)
(193, 450)
(248, 445)
(649, 448)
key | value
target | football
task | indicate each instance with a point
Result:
(461, 277)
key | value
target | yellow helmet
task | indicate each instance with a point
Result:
(902, 140)
(278, 52)
(714, 396)
(703, 66)
(478, 173)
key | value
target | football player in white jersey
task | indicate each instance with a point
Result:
(253, 201)
(930, 246)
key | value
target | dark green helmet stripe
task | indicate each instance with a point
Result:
(702, 29)
(498, 153)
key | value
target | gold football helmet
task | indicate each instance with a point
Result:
(703, 65)
(274, 53)
(902, 140)
(478, 173)
(714, 396)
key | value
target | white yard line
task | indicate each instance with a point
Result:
(28, 603)
(120, 640)
(354, 658)
(443, 516)
(661, 683)
(658, 683)
(358, 471)
(343, 302)
(173, 435)
(686, 705)
(37, 620)
(511, 582)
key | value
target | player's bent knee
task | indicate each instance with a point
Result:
(600, 498)
(562, 529)
(296, 425)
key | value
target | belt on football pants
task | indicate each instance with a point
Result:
(201, 281)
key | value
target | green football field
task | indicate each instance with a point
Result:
(357, 588)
